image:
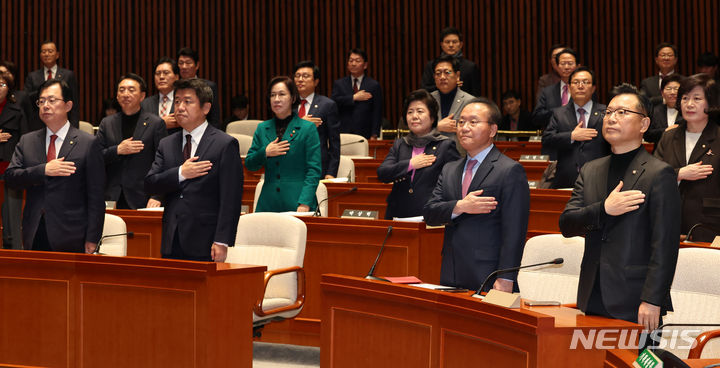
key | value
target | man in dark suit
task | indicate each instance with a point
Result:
(627, 206)
(200, 172)
(129, 140)
(516, 117)
(575, 130)
(189, 64)
(161, 104)
(49, 56)
(62, 170)
(359, 98)
(451, 43)
(484, 203)
(553, 77)
(666, 57)
(322, 111)
(557, 94)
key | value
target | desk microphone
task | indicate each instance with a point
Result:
(129, 234)
(370, 275)
(497, 272)
(317, 210)
(353, 142)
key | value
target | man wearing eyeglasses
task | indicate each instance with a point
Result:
(63, 172)
(557, 94)
(49, 55)
(449, 96)
(666, 58)
(484, 203)
(627, 206)
(451, 43)
(161, 104)
(575, 130)
(322, 111)
(189, 63)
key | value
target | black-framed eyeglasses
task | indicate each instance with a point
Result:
(471, 124)
(621, 113)
(52, 101)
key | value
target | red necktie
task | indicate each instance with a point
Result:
(301, 112)
(565, 97)
(49, 74)
(356, 86)
(468, 177)
(51, 148)
(187, 150)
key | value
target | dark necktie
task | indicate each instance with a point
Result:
(581, 111)
(49, 74)
(188, 147)
(356, 86)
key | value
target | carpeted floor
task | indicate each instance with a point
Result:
(267, 355)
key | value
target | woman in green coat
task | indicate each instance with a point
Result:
(288, 147)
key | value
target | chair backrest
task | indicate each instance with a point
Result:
(320, 193)
(274, 240)
(551, 282)
(116, 245)
(245, 142)
(346, 168)
(354, 145)
(695, 295)
(244, 127)
(86, 127)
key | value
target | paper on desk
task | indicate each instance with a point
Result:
(157, 209)
(300, 214)
(409, 219)
(335, 180)
(404, 280)
(430, 286)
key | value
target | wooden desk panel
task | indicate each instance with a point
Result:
(380, 148)
(403, 326)
(516, 149)
(534, 169)
(368, 196)
(366, 170)
(77, 310)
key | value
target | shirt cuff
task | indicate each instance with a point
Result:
(223, 244)
(180, 177)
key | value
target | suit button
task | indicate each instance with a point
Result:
(181, 196)
(277, 189)
(410, 191)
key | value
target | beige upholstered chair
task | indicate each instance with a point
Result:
(346, 169)
(114, 245)
(244, 127)
(320, 193)
(245, 142)
(354, 145)
(695, 295)
(277, 241)
(551, 282)
(87, 127)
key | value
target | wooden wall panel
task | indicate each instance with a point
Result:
(244, 43)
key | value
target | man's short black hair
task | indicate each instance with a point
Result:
(511, 93)
(707, 59)
(644, 104)
(566, 50)
(166, 59)
(203, 92)
(358, 51)
(582, 69)
(239, 102)
(663, 45)
(495, 115)
(455, 62)
(450, 31)
(554, 47)
(670, 78)
(308, 64)
(47, 41)
(67, 94)
(192, 54)
(136, 78)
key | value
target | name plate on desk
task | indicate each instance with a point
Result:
(503, 299)
(535, 138)
(533, 184)
(535, 158)
(360, 214)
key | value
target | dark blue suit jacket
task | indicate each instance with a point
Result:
(409, 196)
(205, 209)
(329, 132)
(571, 156)
(126, 173)
(73, 206)
(550, 98)
(359, 117)
(12, 120)
(477, 245)
(152, 105)
(35, 79)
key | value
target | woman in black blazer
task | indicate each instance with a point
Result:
(693, 150)
(416, 160)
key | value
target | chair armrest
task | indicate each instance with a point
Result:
(258, 309)
(570, 305)
(700, 342)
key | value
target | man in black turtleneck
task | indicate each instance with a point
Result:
(449, 96)
(129, 140)
(627, 205)
(451, 44)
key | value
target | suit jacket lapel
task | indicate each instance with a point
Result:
(635, 170)
(457, 104)
(484, 169)
(593, 117)
(703, 144)
(69, 143)
(292, 130)
(141, 126)
(679, 146)
(205, 142)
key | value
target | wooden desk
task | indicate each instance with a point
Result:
(516, 149)
(349, 247)
(369, 196)
(366, 170)
(616, 358)
(546, 206)
(376, 324)
(380, 148)
(534, 169)
(77, 310)
(147, 229)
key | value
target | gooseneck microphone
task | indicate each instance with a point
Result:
(353, 142)
(317, 210)
(129, 234)
(506, 270)
(370, 275)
